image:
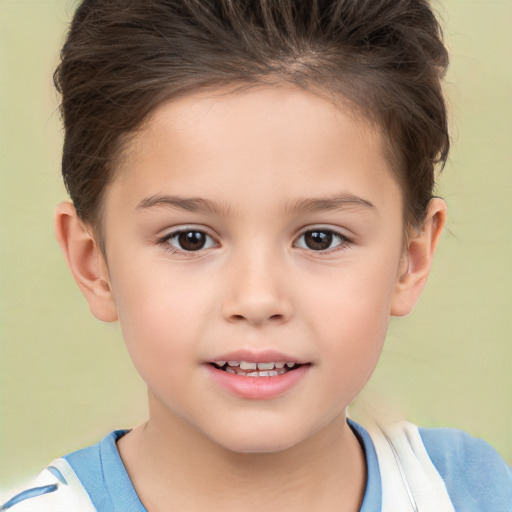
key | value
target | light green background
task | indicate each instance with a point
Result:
(65, 379)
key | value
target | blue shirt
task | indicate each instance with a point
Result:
(476, 477)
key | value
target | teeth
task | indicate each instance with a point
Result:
(244, 365)
(270, 369)
(265, 366)
(266, 373)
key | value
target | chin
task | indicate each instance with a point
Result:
(259, 440)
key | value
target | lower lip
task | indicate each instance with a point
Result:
(257, 388)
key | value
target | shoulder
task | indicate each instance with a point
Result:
(475, 475)
(55, 489)
(442, 469)
(74, 483)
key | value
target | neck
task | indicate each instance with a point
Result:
(171, 463)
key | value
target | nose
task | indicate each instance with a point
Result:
(257, 291)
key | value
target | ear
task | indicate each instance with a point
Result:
(417, 259)
(85, 261)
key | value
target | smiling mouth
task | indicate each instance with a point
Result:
(246, 369)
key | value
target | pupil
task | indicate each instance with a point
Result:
(192, 240)
(318, 240)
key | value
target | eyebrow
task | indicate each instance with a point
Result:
(190, 204)
(331, 203)
(306, 205)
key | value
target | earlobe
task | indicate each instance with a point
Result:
(417, 259)
(85, 261)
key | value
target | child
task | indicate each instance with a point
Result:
(252, 188)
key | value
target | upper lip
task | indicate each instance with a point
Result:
(254, 356)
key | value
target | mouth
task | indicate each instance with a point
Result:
(277, 374)
(253, 369)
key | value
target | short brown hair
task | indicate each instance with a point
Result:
(123, 58)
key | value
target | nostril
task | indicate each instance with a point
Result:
(273, 318)
(256, 310)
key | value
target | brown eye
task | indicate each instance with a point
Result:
(320, 240)
(191, 240)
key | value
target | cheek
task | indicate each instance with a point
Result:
(350, 319)
(352, 345)
(158, 316)
(355, 299)
(354, 338)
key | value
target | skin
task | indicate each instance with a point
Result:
(263, 158)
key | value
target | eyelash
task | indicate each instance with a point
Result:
(343, 244)
(166, 241)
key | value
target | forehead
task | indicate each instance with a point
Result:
(242, 146)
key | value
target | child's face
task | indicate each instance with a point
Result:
(293, 254)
